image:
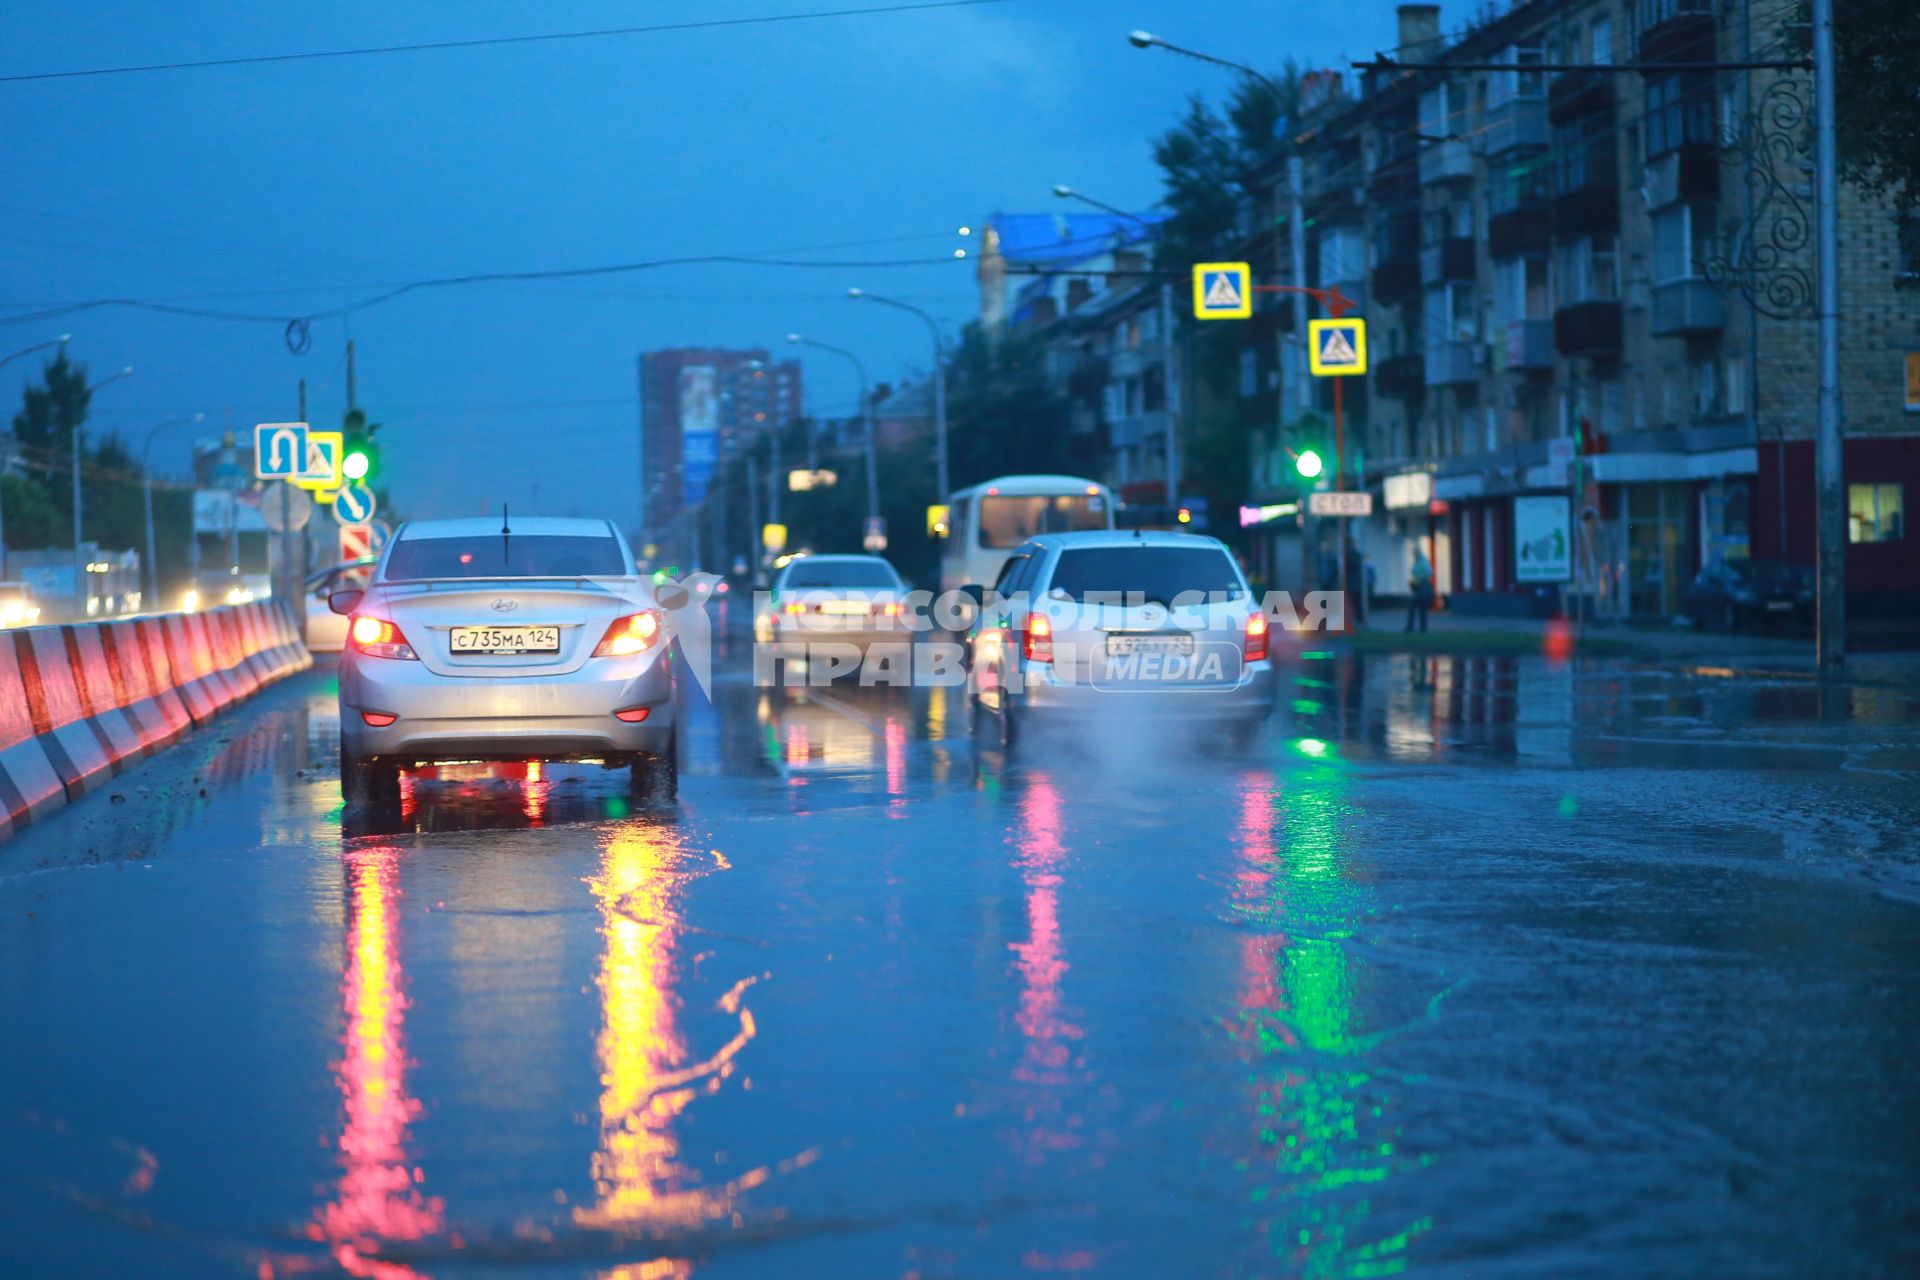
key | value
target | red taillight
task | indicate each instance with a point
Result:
(1257, 627)
(1036, 643)
(632, 715)
(632, 634)
(378, 719)
(378, 638)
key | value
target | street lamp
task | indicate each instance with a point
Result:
(60, 341)
(866, 408)
(1147, 40)
(146, 480)
(1170, 391)
(939, 381)
(80, 592)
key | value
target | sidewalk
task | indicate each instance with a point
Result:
(1784, 652)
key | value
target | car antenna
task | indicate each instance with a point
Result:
(506, 554)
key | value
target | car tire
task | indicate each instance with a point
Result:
(655, 779)
(367, 781)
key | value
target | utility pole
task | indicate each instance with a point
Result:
(1170, 392)
(1830, 646)
(353, 400)
(1299, 382)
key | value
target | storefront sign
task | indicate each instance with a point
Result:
(1542, 540)
(1414, 489)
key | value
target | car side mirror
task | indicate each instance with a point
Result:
(345, 602)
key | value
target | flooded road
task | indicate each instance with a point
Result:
(1471, 967)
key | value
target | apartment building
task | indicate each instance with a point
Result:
(1596, 286)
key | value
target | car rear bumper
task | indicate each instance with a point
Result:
(502, 718)
(1249, 699)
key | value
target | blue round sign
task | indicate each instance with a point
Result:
(354, 504)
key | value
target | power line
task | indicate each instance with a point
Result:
(491, 41)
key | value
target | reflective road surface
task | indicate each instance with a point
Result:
(1470, 967)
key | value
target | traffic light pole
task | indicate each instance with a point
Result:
(1339, 485)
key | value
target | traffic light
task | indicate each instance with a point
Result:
(356, 464)
(360, 460)
(1307, 462)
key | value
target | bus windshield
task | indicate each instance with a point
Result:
(1007, 520)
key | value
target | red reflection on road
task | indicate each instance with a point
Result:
(378, 1196)
(1042, 964)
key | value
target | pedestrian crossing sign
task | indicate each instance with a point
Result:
(1337, 348)
(1222, 290)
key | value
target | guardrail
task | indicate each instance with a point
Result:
(80, 702)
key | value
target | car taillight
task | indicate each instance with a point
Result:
(1036, 643)
(887, 610)
(1257, 627)
(632, 634)
(378, 638)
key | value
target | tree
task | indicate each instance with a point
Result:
(1876, 66)
(47, 421)
(32, 520)
(115, 507)
(1002, 416)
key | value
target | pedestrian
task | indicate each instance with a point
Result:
(1420, 589)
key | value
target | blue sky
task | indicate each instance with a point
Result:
(290, 188)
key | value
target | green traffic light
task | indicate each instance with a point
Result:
(355, 465)
(1307, 463)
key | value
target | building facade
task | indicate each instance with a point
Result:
(699, 405)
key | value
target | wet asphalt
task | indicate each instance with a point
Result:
(1470, 967)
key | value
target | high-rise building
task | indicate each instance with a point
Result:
(699, 406)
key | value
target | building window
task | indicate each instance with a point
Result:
(1910, 249)
(1679, 112)
(1603, 41)
(1510, 186)
(1682, 242)
(1588, 270)
(1874, 512)
(1583, 154)
(1736, 385)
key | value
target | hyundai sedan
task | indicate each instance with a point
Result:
(488, 639)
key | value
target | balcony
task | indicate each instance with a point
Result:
(1522, 230)
(1445, 161)
(1530, 345)
(1676, 31)
(1403, 376)
(1451, 259)
(1587, 328)
(1450, 364)
(1517, 122)
(1689, 175)
(1396, 181)
(1397, 278)
(1137, 429)
(1687, 306)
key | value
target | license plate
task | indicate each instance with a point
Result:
(1150, 644)
(506, 639)
(1779, 606)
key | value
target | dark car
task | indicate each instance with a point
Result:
(1740, 592)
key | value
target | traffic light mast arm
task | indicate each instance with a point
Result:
(1336, 303)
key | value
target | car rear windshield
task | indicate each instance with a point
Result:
(1009, 520)
(1769, 573)
(520, 555)
(1154, 573)
(802, 576)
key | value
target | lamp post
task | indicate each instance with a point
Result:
(146, 483)
(1171, 391)
(939, 383)
(81, 594)
(866, 413)
(1147, 40)
(6, 461)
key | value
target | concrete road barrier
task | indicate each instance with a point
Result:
(79, 703)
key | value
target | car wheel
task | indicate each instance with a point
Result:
(367, 781)
(655, 779)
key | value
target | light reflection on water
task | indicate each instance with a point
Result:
(1322, 1128)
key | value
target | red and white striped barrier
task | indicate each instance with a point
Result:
(79, 703)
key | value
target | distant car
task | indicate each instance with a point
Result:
(327, 630)
(479, 641)
(17, 608)
(1115, 630)
(840, 599)
(1741, 592)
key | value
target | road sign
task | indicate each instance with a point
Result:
(773, 537)
(353, 504)
(1542, 540)
(356, 542)
(1337, 348)
(1222, 290)
(1334, 502)
(279, 450)
(939, 515)
(874, 534)
(322, 470)
(284, 507)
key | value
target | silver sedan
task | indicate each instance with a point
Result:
(484, 639)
